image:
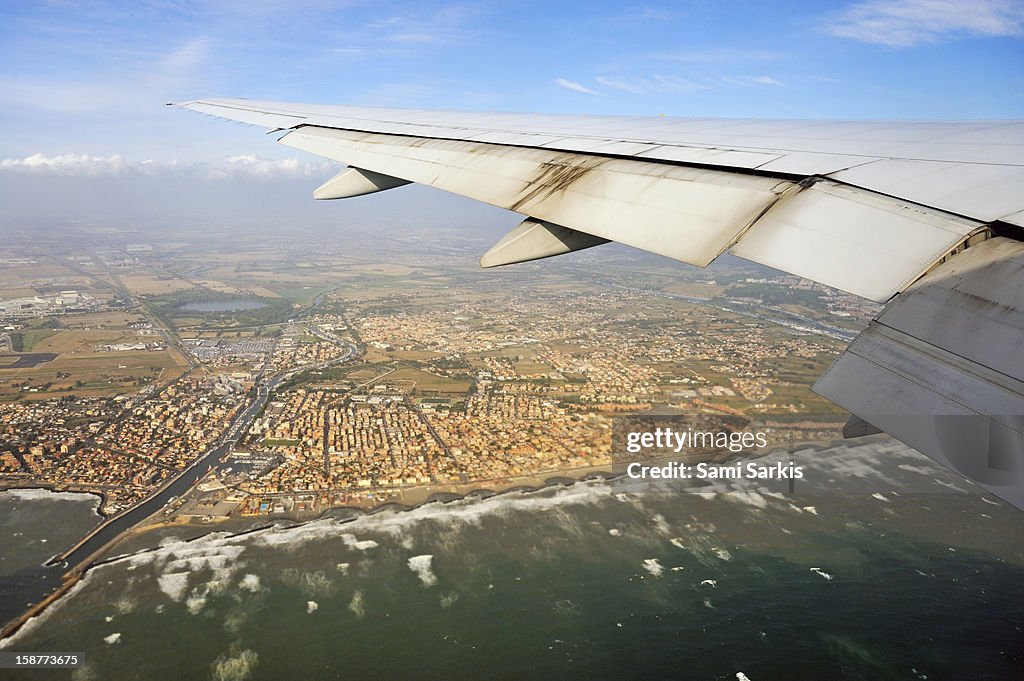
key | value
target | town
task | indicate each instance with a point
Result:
(340, 384)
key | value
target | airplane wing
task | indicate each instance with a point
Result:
(926, 217)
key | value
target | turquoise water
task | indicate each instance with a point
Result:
(595, 581)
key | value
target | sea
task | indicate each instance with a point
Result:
(35, 525)
(875, 565)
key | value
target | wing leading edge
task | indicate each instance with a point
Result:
(909, 214)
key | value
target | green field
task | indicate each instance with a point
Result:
(303, 295)
(25, 341)
(269, 442)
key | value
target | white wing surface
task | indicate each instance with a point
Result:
(927, 217)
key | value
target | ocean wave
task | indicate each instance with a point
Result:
(125, 605)
(423, 567)
(356, 604)
(359, 544)
(40, 494)
(234, 665)
(746, 497)
(822, 573)
(311, 583)
(660, 524)
(250, 582)
(449, 599)
(214, 551)
(173, 584)
(654, 567)
(84, 673)
(196, 602)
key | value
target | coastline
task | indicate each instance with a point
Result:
(73, 577)
(30, 485)
(454, 493)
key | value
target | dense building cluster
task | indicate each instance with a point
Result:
(468, 387)
(333, 441)
(123, 448)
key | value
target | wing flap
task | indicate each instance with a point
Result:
(858, 241)
(690, 214)
(951, 385)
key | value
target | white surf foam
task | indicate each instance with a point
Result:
(356, 604)
(174, 584)
(423, 567)
(654, 567)
(250, 583)
(819, 571)
(234, 665)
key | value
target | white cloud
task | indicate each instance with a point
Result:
(576, 87)
(620, 84)
(187, 57)
(446, 26)
(250, 165)
(229, 167)
(905, 23)
(748, 81)
(653, 85)
(66, 164)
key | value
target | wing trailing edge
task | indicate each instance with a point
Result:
(849, 238)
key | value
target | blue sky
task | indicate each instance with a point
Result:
(82, 84)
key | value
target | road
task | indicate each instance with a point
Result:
(45, 584)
